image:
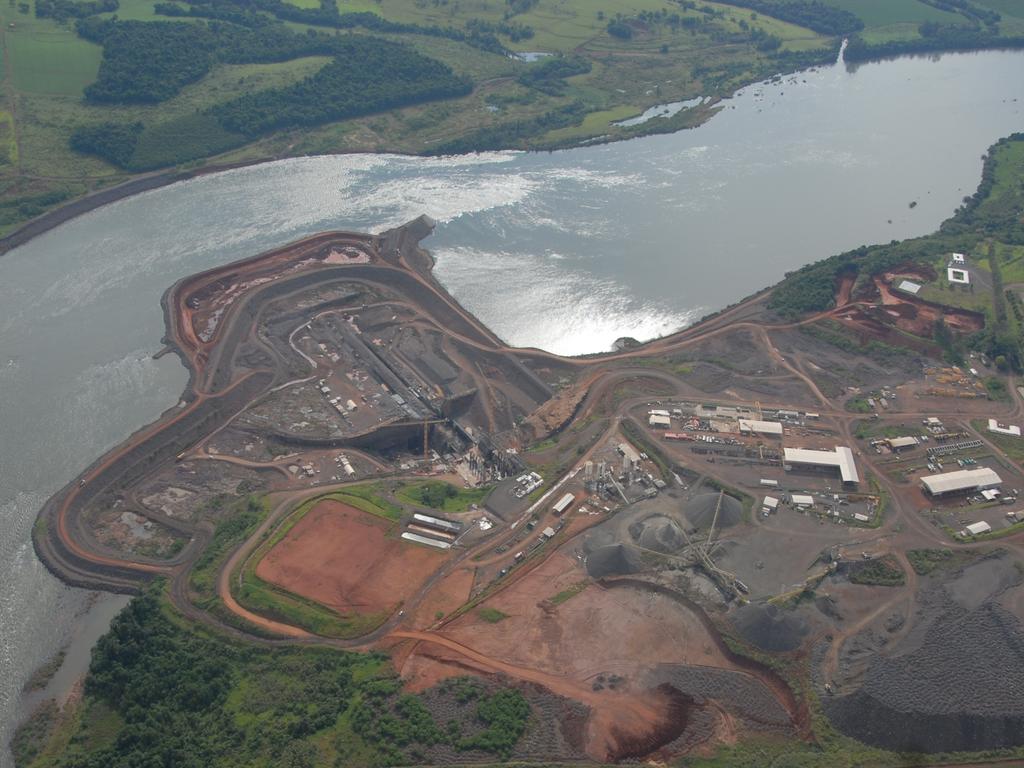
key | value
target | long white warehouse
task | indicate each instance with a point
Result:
(960, 481)
(841, 458)
(761, 427)
(424, 540)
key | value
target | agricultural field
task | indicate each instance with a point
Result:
(49, 65)
(636, 54)
(883, 13)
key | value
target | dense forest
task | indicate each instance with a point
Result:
(481, 34)
(62, 10)
(160, 694)
(991, 214)
(147, 62)
(813, 14)
(368, 75)
(934, 37)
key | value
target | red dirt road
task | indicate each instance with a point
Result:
(343, 558)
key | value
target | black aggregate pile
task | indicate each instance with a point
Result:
(700, 511)
(770, 628)
(611, 560)
(660, 533)
(962, 689)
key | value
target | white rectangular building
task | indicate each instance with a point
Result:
(1003, 429)
(770, 503)
(564, 503)
(773, 428)
(658, 421)
(961, 481)
(909, 287)
(978, 528)
(958, 276)
(899, 443)
(802, 500)
(841, 458)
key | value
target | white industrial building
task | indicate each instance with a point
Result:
(958, 276)
(899, 443)
(959, 258)
(761, 427)
(962, 480)
(976, 529)
(841, 458)
(770, 504)
(564, 503)
(801, 500)
(1003, 429)
(659, 421)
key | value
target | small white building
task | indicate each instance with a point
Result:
(861, 518)
(958, 276)
(658, 421)
(801, 500)
(959, 258)
(770, 503)
(899, 443)
(1003, 429)
(909, 287)
(976, 529)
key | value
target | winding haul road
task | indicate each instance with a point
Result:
(220, 388)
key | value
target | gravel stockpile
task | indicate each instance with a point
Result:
(700, 511)
(961, 689)
(611, 560)
(743, 695)
(770, 628)
(660, 533)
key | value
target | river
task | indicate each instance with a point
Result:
(565, 251)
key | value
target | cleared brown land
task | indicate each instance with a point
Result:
(343, 558)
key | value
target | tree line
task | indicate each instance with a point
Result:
(149, 62)
(934, 38)
(983, 216)
(63, 10)
(813, 14)
(186, 699)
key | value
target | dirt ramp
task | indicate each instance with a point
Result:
(747, 699)
(637, 725)
(770, 628)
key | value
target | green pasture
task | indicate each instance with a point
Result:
(881, 13)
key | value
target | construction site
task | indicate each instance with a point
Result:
(666, 547)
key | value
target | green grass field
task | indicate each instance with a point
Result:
(442, 496)
(880, 13)
(46, 59)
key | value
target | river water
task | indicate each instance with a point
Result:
(565, 251)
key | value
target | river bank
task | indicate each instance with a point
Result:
(566, 251)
